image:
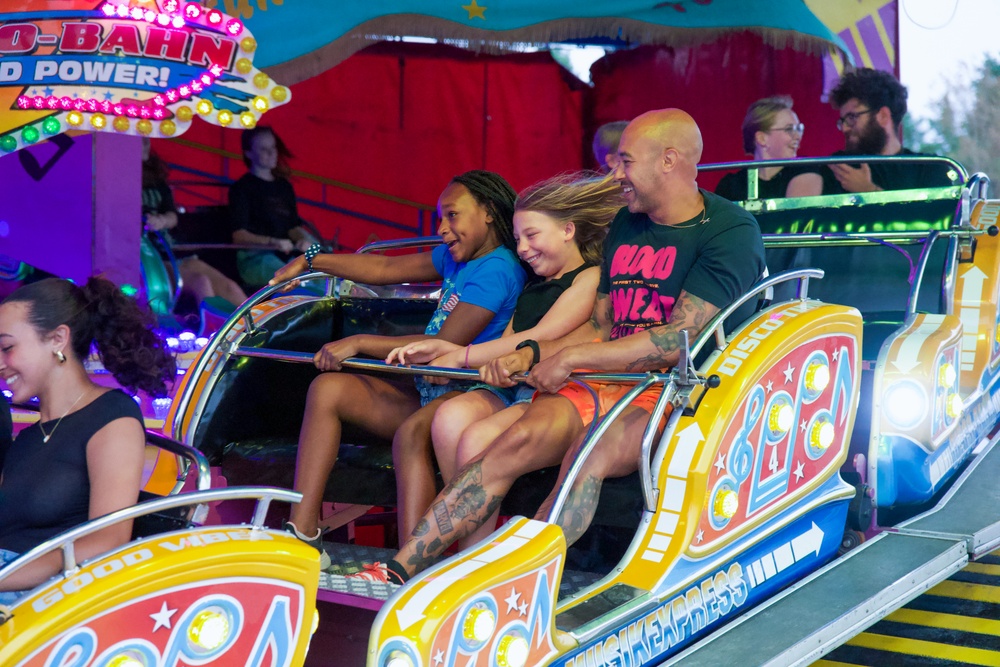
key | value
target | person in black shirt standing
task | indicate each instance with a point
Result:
(263, 210)
(871, 104)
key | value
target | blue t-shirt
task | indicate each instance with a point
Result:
(492, 282)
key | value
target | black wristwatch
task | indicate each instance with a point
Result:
(535, 352)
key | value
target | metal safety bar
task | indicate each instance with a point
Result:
(754, 165)
(191, 456)
(714, 327)
(399, 244)
(856, 238)
(66, 541)
(376, 366)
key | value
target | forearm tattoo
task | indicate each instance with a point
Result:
(690, 314)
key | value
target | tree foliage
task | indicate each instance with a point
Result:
(966, 124)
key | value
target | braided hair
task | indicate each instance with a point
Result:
(495, 194)
(101, 314)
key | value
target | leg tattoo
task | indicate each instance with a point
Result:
(462, 507)
(580, 508)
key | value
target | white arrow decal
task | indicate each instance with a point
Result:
(805, 545)
(413, 610)
(908, 356)
(972, 295)
(687, 443)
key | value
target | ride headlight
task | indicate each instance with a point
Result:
(399, 659)
(946, 375)
(512, 651)
(905, 404)
(817, 377)
(726, 503)
(479, 625)
(821, 435)
(953, 406)
(780, 418)
(209, 630)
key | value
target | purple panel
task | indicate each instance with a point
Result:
(48, 205)
(889, 13)
(49, 212)
(873, 43)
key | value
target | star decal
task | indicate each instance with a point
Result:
(163, 617)
(836, 353)
(769, 386)
(788, 373)
(48, 91)
(512, 601)
(439, 657)
(799, 472)
(699, 536)
(802, 426)
(109, 96)
(523, 609)
(476, 11)
(720, 464)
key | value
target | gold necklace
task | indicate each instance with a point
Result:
(46, 436)
(692, 222)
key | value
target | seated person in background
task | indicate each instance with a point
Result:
(263, 210)
(672, 259)
(871, 104)
(84, 457)
(202, 280)
(481, 280)
(605, 145)
(771, 131)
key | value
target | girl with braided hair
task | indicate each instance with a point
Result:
(482, 279)
(84, 457)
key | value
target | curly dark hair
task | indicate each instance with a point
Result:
(875, 89)
(496, 195)
(101, 314)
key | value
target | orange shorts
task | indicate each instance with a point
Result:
(607, 395)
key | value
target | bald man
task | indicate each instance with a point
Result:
(673, 258)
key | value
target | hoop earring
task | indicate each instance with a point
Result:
(60, 356)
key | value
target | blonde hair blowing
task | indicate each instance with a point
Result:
(587, 199)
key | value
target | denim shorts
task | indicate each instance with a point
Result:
(9, 597)
(520, 393)
(429, 392)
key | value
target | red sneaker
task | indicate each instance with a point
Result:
(377, 572)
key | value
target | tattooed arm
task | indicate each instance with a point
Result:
(653, 349)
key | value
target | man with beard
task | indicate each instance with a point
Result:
(871, 105)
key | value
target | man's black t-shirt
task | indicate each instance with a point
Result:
(263, 207)
(717, 258)
(890, 176)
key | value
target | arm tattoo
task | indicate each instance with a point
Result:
(690, 314)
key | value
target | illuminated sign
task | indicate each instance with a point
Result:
(140, 67)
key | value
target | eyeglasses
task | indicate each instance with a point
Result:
(849, 119)
(798, 128)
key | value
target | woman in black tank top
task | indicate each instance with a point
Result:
(84, 458)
